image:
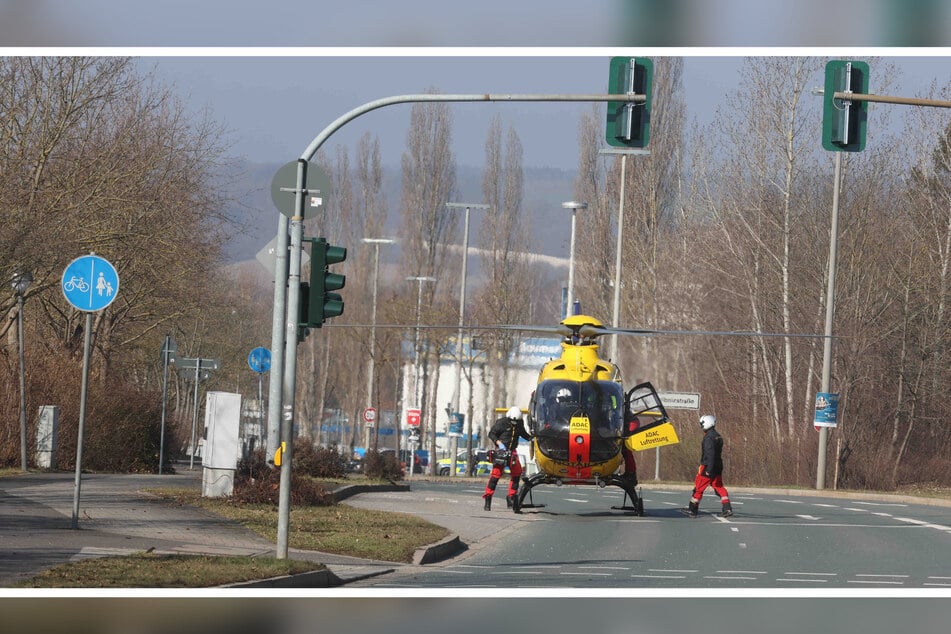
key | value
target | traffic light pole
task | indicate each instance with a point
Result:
(287, 281)
(830, 312)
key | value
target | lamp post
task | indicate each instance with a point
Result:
(620, 233)
(574, 206)
(21, 282)
(376, 242)
(457, 385)
(416, 391)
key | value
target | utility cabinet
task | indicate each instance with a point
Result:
(47, 433)
(222, 447)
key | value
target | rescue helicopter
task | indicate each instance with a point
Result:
(581, 419)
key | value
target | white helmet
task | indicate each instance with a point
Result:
(564, 394)
(708, 421)
(514, 413)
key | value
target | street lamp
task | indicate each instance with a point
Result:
(376, 242)
(574, 206)
(620, 233)
(21, 282)
(416, 392)
(457, 385)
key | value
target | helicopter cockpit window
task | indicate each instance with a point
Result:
(558, 401)
(601, 401)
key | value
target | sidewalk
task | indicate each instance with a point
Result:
(116, 517)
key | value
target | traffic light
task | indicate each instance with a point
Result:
(628, 123)
(322, 303)
(843, 121)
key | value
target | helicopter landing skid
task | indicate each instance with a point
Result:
(526, 490)
(630, 493)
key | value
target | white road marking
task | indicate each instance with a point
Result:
(588, 574)
(809, 517)
(813, 574)
(789, 501)
(806, 580)
(602, 568)
(893, 583)
(671, 571)
(658, 577)
(576, 500)
(909, 520)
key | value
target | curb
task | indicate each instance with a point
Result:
(315, 579)
(433, 553)
(448, 547)
(350, 490)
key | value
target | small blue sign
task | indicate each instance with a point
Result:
(260, 360)
(90, 283)
(456, 421)
(827, 409)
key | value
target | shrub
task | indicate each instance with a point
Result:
(382, 465)
(255, 482)
(318, 462)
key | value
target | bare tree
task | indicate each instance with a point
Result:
(509, 278)
(429, 182)
(756, 212)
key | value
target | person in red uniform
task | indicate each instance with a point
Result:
(504, 434)
(710, 472)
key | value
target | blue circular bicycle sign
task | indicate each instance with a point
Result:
(90, 283)
(260, 360)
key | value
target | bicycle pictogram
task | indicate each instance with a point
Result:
(74, 283)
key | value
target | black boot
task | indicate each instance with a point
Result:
(693, 508)
(510, 500)
(727, 510)
(488, 502)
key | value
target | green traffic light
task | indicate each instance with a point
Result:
(628, 123)
(322, 304)
(844, 121)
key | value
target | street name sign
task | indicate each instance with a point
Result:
(679, 400)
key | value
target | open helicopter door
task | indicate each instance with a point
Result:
(648, 423)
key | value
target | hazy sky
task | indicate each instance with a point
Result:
(483, 23)
(276, 105)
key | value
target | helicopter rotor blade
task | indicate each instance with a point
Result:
(648, 332)
(589, 330)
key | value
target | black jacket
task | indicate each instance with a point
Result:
(711, 457)
(508, 432)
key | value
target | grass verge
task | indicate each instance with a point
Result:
(150, 570)
(339, 529)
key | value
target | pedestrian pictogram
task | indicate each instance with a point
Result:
(90, 283)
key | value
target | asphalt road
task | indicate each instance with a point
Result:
(778, 539)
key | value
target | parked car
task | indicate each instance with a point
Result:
(481, 467)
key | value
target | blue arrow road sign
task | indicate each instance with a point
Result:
(260, 360)
(90, 283)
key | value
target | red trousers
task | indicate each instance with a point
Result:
(515, 470)
(701, 484)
